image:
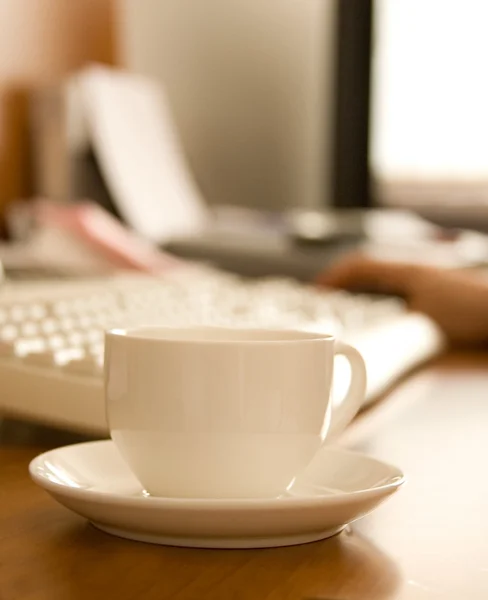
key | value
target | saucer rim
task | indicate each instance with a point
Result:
(396, 481)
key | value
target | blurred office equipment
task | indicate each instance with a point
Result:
(259, 142)
(77, 241)
(82, 239)
(91, 274)
(125, 121)
(51, 348)
(272, 100)
(269, 102)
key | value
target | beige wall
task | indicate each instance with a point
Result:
(40, 41)
(249, 82)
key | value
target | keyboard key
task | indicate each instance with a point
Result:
(18, 313)
(56, 342)
(30, 329)
(49, 326)
(75, 339)
(94, 336)
(83, 366)
(67, 355)
(67, 324)
(62, 308)
(37, 312)
(54, 359)
(9, 332)
(24, 347)
(84, 321)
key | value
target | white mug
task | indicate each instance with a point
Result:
(224, 413)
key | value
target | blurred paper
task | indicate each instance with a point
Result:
(84, 239)
(102, 237)
(138, 150)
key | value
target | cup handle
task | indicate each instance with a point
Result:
(345, 412)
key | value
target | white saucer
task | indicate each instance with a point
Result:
(92, 480)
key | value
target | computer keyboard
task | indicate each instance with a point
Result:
(51, 332)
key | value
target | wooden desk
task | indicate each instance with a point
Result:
(430, 541)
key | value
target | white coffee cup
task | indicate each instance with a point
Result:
(224, 413)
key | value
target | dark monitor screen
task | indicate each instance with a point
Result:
(351, 185)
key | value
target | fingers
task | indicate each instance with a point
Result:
(367, 274)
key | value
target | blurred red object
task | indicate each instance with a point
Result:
(88, 223)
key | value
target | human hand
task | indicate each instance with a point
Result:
(456, 300)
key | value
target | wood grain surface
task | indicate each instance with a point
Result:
(428, 541)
